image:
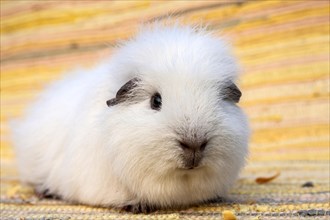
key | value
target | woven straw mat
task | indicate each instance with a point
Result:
(283, 47)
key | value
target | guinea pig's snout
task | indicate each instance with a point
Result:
(192, 152)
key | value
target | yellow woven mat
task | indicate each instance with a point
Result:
(284, 50)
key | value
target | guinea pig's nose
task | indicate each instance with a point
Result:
(193, 146)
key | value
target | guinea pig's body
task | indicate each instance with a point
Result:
(155, 126)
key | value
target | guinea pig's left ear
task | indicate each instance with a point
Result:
(123, 93)
(232, 92)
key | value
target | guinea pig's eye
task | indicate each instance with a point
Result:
(156, 101)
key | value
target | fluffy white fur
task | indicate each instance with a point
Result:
(74, 145)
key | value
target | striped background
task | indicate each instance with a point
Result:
(283, 47)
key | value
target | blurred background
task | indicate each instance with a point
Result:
(283, 48)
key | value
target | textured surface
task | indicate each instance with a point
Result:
(284, 51)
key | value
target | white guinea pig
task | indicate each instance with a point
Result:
(155, 126)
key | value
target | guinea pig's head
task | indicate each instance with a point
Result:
(176, 112)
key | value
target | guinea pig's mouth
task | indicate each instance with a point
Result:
(194, 168)
(191, 161)
(191, 168)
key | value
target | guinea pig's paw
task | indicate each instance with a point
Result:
(45, 194)
(216, 200)
(139, 208)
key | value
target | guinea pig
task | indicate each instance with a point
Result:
(155, 126)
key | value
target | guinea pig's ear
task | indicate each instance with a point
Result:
(232, 92)
(123, 93)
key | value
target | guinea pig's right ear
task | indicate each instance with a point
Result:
(123, 93)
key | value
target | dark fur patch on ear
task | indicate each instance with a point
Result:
(232, 93)
(112, 102)
(124, 92)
